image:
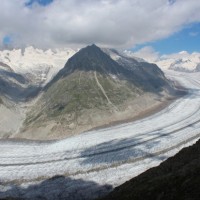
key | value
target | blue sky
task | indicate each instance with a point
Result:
(41, 2)
(7, 40)
(188, 39)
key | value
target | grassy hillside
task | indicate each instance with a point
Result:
(84, 98)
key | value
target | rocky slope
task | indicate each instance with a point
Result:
(176, 178)
(23, 73)
(94, 89)
(15, 90)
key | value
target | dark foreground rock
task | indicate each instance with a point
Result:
(177, 178)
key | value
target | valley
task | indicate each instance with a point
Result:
(127, 150)
(99, 100)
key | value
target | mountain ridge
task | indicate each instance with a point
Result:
(38, 65)
(115, 67)
(93, 89)
(181, 61)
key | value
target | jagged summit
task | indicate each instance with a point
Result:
(91, 58)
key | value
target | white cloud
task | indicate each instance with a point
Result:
(148, 53)
(114, 23)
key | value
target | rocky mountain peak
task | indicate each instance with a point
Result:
(90, 58)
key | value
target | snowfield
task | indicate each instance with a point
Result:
(96, 161)
(38, 65)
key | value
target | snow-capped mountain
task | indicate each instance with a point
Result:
(131, 54)
(39, 66)
(182, 61)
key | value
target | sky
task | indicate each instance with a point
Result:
(29, 3)
(163, 26)
(187, 39)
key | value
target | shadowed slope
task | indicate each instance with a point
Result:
(16, 87)
(56, 188)
(176, 178)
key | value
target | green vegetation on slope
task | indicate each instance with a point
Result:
(1, 101)
(70, 97)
